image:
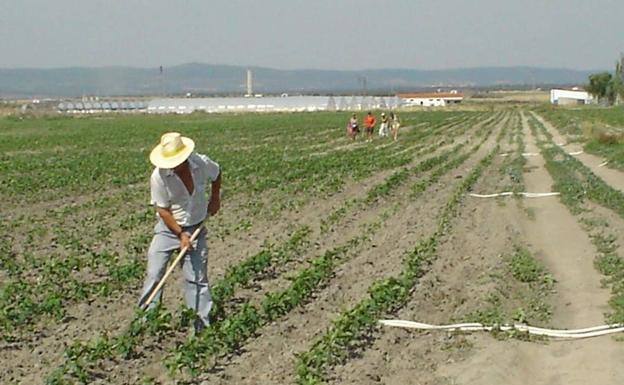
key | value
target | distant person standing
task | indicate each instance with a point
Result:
(370, 121)
(383, 127)
(395, 123)
(353, 127)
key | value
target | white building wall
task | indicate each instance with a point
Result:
(581, 96)
(424, 102)
(264, 104)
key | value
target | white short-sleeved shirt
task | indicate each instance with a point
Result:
(168, 190)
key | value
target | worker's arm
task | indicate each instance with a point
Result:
(215, 196)
(167, 217)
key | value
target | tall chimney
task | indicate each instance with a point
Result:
(249, 83)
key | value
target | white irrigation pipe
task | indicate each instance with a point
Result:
(526, 154)
(509, 193)
(603, 163)
(538, 195)
(595, 331)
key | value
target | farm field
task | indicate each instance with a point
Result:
(598, 131)
(318, 238)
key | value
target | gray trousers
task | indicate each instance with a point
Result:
(194, 266)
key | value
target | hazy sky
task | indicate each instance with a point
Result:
(325, 34)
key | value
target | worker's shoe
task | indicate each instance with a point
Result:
(198, 326)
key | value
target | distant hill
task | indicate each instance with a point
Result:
(224, 79)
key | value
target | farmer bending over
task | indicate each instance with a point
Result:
(178, 191)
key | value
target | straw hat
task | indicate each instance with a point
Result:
(172, 150)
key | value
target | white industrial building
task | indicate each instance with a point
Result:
(102, 106)
(282, 103)
(570, 97)
(430, 99)
(270, 104)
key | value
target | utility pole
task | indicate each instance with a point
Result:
(161, 81)
(362, 80)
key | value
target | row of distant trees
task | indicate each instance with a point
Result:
(607, 87)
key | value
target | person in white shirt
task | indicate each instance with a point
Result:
(178, 192)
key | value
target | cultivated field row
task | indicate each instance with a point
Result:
(301, 271)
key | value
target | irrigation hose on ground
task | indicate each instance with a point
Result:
(510, 193)
(595, 331)
(527, 154)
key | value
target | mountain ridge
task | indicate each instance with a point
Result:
(224, 79)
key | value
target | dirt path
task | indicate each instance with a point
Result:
(612, 177)
(580, 302)
(468, 263)
(269, 359)
(564, 247)
(49, 346)
(452, 284)
(283, 340)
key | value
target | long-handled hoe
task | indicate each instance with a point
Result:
(172, 266)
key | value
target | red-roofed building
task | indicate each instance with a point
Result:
(430, 99)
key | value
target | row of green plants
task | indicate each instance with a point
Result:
(225, 334)
(513, 166)
(196, 356)
(577, 183)
(600, 129)
(347, 331)
(573, 179)
(124, 271)
(107, 160)
(400, 176)
(82, 357)
(524, 285)
(56, 285)
(521, 295)
(51, 294)
(223, 290)
(271, 307)
(385, 295)
(484, 132)
(140, 195)
(199, 353)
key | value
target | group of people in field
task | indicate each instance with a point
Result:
(388, 124)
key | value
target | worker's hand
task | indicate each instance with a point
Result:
(185, 240)
(214, 205)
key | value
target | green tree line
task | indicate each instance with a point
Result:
(607, 87)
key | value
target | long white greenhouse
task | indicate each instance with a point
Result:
(268, 104)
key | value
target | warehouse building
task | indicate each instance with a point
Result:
(430, 99)
(575, 96)
(101, 106)
(270, 104)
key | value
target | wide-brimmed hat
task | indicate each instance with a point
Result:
(172, 150)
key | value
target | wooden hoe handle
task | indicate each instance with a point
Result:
(170, 269)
